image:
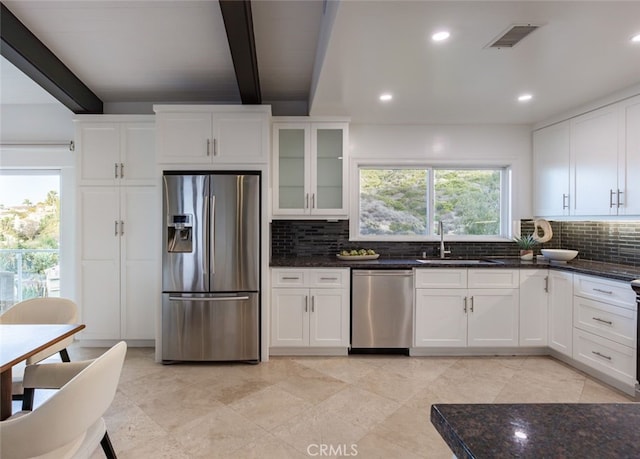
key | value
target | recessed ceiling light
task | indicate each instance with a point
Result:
(525, 97)
(386, 97)
(439, 36)
(636, 38)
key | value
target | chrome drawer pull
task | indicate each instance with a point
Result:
(465, 304)
(306, 304)
(601, 355)
(608, 292)
(290, 278)
(329, 278)
(608, 322)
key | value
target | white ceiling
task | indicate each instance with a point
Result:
(176, 51)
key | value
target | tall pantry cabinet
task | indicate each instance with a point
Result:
(117, 251)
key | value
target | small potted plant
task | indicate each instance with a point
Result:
(526, 245)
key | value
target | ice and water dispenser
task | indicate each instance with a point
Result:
(180, 233)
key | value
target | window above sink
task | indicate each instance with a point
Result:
(406, 202)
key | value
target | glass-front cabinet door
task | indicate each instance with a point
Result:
(309, 169)
(291, 169)
(328, 153)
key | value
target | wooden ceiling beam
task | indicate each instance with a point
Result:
(239, 25)
(24, 50)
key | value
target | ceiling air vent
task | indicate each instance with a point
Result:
(512, 36)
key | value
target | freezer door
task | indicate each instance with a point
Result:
(235, 232)
(199, 327)
(184, 237)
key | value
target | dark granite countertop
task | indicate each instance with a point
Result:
(607, 430)
(596, 268)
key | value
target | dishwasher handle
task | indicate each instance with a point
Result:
(382, 272)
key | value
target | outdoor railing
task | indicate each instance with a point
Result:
(28, 273)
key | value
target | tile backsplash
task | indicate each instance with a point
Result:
(612, 242)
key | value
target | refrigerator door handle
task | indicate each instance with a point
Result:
(205, 255)
(212, 241)
(219, 298)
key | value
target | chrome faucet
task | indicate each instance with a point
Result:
(443, 252)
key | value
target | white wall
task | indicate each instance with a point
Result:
(509, 145)
(35, 123)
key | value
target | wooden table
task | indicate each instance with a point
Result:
(18, 343)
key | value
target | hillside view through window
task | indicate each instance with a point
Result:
(409, 202)
(29, 235)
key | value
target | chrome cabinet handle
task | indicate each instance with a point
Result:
(306, 201)
(565, 201)
(290, 278)
(471, 304)
(313, 201)
(608, 292)
(121, 228)
(306, 304)
(610, 199)
(465, 304)
(115, 227)
(121, 170)
(608, 322)
(546, 284)
(215, 147)
(620, 203)
(115, 170)
(313, 304)
(208, 147)
(601, 355)
(329, 278)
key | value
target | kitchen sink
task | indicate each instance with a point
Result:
(450, 261)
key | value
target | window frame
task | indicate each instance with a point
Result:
(506, 198)
(63, 160)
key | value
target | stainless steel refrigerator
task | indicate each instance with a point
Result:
(211, 267)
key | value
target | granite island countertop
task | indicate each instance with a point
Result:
(548, 430)
(609, 270)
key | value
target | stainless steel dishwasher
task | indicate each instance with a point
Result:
(381, 309)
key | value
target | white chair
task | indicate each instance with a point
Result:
(70, 423)
(40, 311)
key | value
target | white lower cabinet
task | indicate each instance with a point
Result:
(476, 308)
(604, 319)
(534, 303)
(561, 312)
(310, 308)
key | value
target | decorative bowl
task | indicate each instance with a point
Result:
(559, 254)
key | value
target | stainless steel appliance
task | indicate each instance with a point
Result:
(381, 309)
(211, 267)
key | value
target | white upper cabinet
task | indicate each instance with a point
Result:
(629, 172)
(115, 152)
(212, 134)
(595, 148)
(310, 169)
(588, 165)
(551, 147)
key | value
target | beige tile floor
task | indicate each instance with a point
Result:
(289, 407)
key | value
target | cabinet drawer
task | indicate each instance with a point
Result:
(283, 277)
(602, 319)
(611, 358)
(314, 278)
(494, 278)
(336, 278)
(441, 278)
(611, 291)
